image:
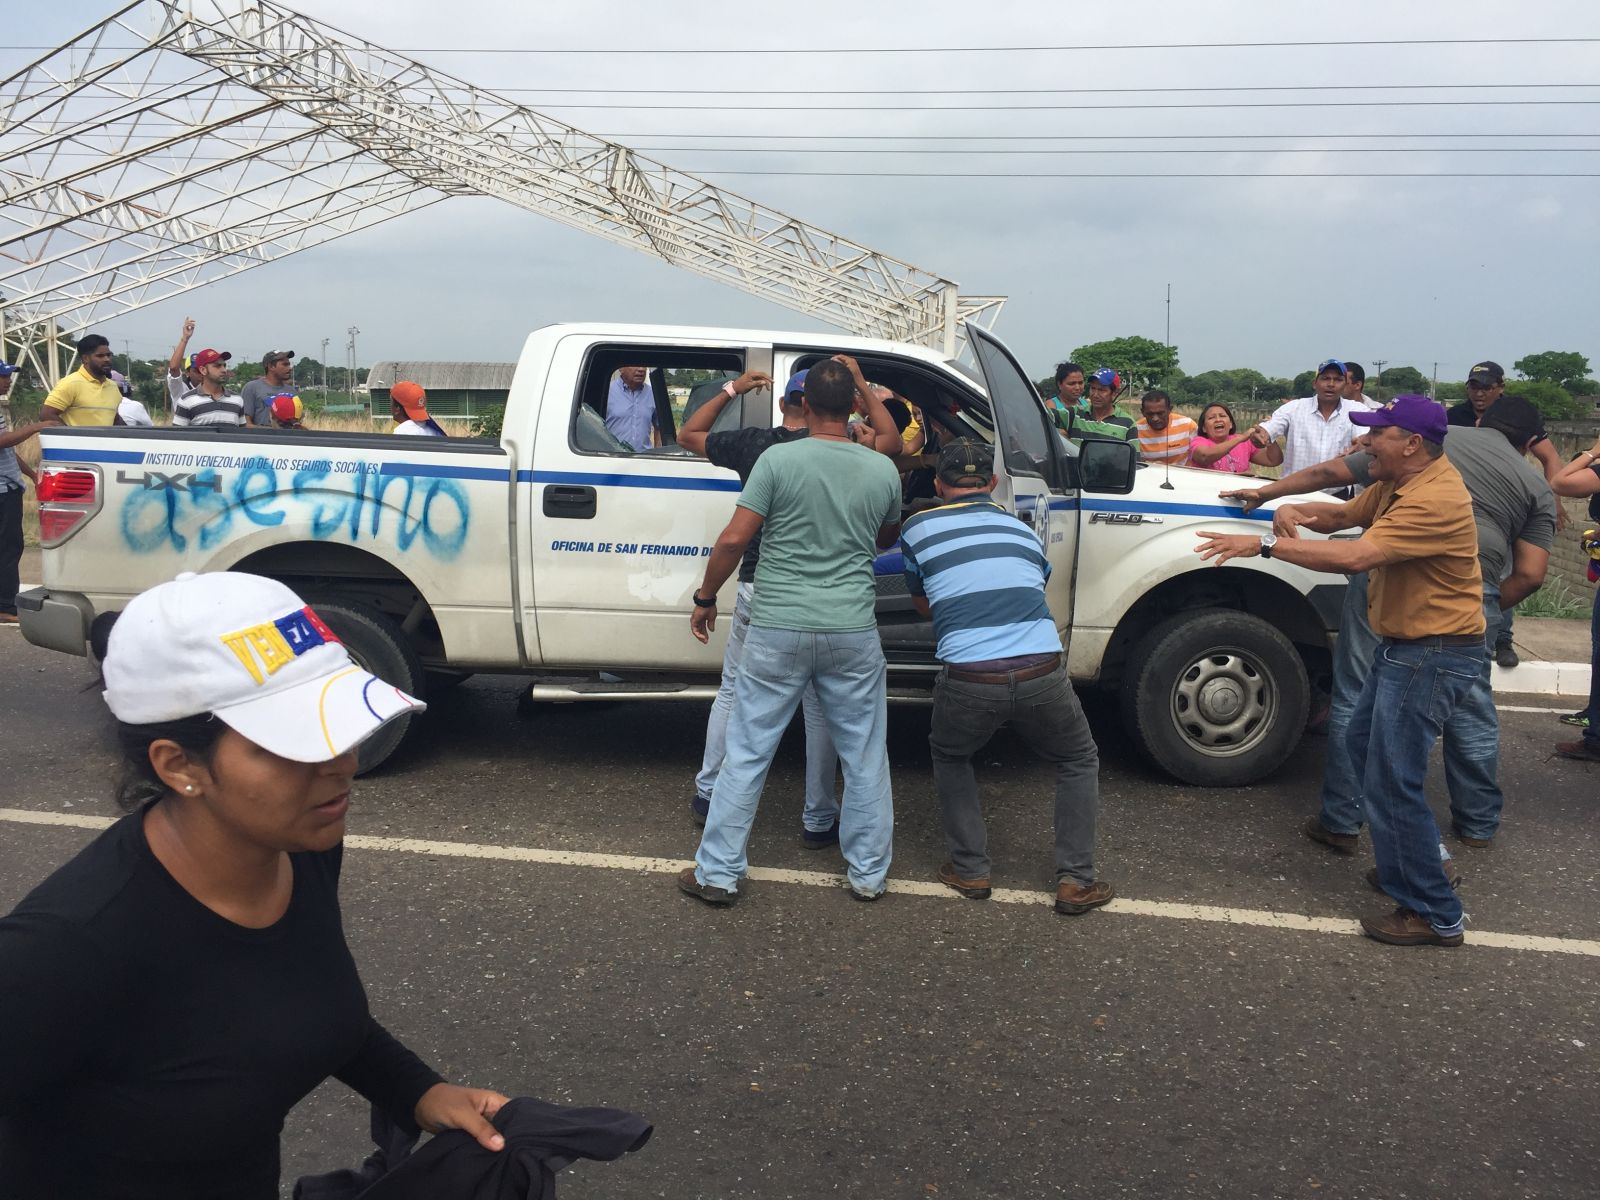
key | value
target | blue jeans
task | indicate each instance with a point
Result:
(848, 671)
(822, 763)
(1501, 632)
(1472, 745)
(1353, 652)
(1592, 733)
(1410, 696)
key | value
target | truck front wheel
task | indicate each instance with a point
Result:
(1216, 697)
(378, 645)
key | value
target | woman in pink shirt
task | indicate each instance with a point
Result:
(1217, 447)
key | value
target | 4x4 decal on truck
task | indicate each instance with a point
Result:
(168, 512)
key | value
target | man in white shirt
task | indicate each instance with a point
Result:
(182, 376)
(1355, 378)
(408, 405)
(211, 403)
(1314, 428)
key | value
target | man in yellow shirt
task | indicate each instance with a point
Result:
(87, 396)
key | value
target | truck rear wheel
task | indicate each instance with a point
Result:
(1216, 698)
(378, 645)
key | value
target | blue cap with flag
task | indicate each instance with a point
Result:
(6, 369)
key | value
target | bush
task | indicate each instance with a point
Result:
(1552, 400)
(488, 424)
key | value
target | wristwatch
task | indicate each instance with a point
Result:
(1268, 541)
(733, 392)
(704, 603)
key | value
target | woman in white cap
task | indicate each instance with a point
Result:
(169, 994)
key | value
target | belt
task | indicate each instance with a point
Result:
(1454, 639)
(1050, 664)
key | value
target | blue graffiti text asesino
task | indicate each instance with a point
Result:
(404, 509)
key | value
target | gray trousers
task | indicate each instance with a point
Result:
(1045, 713)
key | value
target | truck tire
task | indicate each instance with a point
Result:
(1216, 697)
(378, 645)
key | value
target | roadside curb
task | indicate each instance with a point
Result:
(1542, 679)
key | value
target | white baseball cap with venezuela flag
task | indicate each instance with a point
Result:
(253, 654)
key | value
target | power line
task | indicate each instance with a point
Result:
(679, 51)
(1166, 174)
(1286, 87)
(743, 108)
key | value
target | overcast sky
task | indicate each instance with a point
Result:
(1271, 273)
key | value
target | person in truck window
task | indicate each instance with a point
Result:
(408, 404)
(631, 409)
(211, 403)
(821, 504)
(179, 985)
(88, 396)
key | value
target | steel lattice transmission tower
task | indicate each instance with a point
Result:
(167, 148)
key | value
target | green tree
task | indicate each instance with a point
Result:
(1142, 362)
(1552, 400)
(1302, 383)
(1566, 368)
(1451, 390)
(1408, 380)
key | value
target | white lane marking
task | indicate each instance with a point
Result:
(1167, 910)
(1525, 708)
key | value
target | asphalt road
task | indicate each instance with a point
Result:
(802, 1044)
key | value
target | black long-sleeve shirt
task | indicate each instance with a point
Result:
(151, 1048)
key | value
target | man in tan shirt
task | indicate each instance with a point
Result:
(1425, 603)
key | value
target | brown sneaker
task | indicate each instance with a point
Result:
(1403, 927)
(972, 889)
(1582, 749)
(1451, 872)
(1339, 843)
(690, 886)
(1073, 898)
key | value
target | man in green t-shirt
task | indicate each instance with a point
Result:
(1102, 420)
(823, 506)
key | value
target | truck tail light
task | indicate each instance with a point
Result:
(68, 497)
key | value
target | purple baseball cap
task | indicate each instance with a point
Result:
(1414, 414)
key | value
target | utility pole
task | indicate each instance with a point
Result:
(325, 370)
(127, 361)
(351, 347)
(1434, 395)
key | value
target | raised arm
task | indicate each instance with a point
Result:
(693, 434)
(175, 363)
(1333, 473)
(1577, 478)
(886, 434)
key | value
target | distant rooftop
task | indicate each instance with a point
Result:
(444, 376)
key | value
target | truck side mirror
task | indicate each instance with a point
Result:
(1107, 466)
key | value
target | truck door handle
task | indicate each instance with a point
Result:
(572, 503)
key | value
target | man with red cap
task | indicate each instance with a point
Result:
(287, 411)
(211, 403)
(408, 405)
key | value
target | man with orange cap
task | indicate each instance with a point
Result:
(410, 410)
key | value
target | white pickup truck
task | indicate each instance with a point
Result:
(564, 554)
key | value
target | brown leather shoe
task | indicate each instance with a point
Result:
(972, 889)
(1403, 927)
(1339, 843)
(9, 619)
(1582, 749)
(1073, 898)
(1451, 873)
(690, 886)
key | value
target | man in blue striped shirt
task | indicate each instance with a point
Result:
(980, 573)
